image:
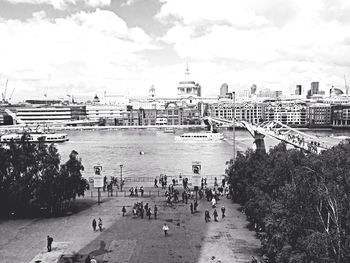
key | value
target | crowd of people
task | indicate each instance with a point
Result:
(135, 191)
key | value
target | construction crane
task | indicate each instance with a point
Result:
(13, 90)
(4, 93)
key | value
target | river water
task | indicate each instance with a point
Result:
(163, 155)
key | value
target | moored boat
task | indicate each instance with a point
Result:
(200, 136)
(35, 137)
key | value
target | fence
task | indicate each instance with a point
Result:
(148, 193)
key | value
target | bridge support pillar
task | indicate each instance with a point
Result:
(259, 142)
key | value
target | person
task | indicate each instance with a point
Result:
(93, 260)
(49, 243)
(146, 207)
(195, 206)
(100, 224)
(191, 207)
(155, 182)
(141, 190)
(254, 260)
(149, 213)
(155, 211)
(165, 229)
(206, 216)
(94, 224)
(215, 214)
(174, 181)
(124, 210)
(215, 182)
(213, 202)
(223, 209)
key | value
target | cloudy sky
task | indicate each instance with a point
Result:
(83, 47)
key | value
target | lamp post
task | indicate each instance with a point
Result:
(121, 177)
(234, 126)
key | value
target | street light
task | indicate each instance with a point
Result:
(121, 177)
(234, 126)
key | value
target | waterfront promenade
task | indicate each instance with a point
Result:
(129, 239)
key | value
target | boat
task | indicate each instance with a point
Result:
(169, 130)
(47, 137)
(200, 136)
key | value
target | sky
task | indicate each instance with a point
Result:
(87, 47)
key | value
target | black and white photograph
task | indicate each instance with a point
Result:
(174, 131)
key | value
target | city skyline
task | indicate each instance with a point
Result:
(123, 47)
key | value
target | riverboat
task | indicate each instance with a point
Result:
(169, 130)
(47, 137)
(200, 136)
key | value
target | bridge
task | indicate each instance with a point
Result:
(279, 131)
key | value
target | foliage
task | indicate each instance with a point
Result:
(31, 178)
(297, 202)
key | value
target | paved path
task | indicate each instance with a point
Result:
(128, 239)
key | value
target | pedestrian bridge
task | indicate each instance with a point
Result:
(277, 130)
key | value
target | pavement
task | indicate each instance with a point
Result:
(130, 239)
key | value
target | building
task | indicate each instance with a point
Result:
(152, 93)
(289, 114)
(50, 114)
(319, 115)
(188, 87)
(107, 114)
(314, 88)
(298, 90)
(223, 90)
(277, 94)
(341, 116)
(250, 112)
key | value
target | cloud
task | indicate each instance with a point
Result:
(82, 52)
(266, 40)
(63, 4)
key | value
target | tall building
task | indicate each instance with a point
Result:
(188, 87)
(298, 89)
(314, 87)
(223, 90)
(253, 89)
(152, 93)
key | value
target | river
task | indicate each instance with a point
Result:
(163, 155)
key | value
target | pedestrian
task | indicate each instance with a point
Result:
(165, 229)
(174, 181)
(155, 211)
(215, 214)
(213, 202)
(94, 224)
(149, 213)
(124, 210)
(215, 182)
(141, 190)
(100, 224)
(205, 181)
(195, 206)
(254, 260)
(223, 209)
(146, 207)
(206, 216)
(142, 212)
(49, 243)
(191, 208)
(223, 182)
(155, 182)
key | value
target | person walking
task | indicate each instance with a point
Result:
(49, 243)
(141, 190)
(94, 224)
(149, 213)
(100, 224)
(124, 210)
(213, 202)
(155, 211)
(165, 229)
(155, 183)
(223, 209)
(191, 207)
(206, 216)
(215, 214)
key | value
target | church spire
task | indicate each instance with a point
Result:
(187, 70)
